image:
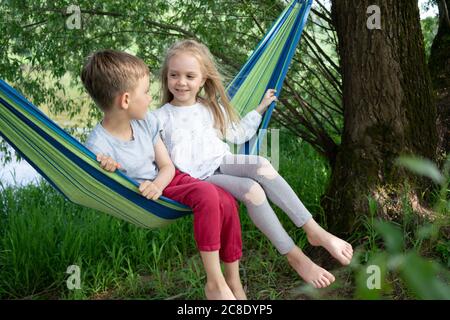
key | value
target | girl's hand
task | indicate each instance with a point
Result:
(150, 190)
(269, 97)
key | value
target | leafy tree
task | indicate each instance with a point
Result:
(41, 50)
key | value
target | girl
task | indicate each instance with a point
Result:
(193, 128)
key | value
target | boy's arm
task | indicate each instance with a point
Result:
(165, 165)
(153, 189)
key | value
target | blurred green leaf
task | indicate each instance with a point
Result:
(391, 235)
(426, 231)
(372, 206)
(422, 278)
(422, 167)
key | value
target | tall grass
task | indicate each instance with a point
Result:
(42, 234)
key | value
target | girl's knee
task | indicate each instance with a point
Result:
(255, 194)
(265, 169)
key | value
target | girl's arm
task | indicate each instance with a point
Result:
(247, 127)
(269, 97)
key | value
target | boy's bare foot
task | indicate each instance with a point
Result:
(308, 270)
(238, 290)
(338, 248)
(218, 291)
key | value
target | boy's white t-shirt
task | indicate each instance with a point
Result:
(137, 156)
(194, 145)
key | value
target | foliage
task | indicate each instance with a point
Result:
(429, 30)
(43, 56)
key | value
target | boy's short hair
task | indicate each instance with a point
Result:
(108, 73)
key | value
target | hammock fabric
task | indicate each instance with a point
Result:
(73, 170)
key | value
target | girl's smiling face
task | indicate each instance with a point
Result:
(185, 79)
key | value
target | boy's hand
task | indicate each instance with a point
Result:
(269, 97)
(150, 190)
(107, 163)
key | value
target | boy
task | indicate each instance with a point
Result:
(128, 139)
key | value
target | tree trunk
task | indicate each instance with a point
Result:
(439, 65)
(388, 108)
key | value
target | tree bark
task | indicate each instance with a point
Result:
(439, 65)
(388, 108)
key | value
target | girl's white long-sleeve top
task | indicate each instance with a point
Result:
(194, 145)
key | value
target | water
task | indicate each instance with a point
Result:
(20, 173)
(17, 173)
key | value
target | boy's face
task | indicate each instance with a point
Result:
(140, 99)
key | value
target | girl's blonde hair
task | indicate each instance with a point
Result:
(213, 87)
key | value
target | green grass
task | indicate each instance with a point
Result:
(42, 234)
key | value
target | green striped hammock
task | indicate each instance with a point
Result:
(73, 170)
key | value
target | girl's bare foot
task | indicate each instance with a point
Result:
(308, 270)
(338, 248)
(218, 291)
